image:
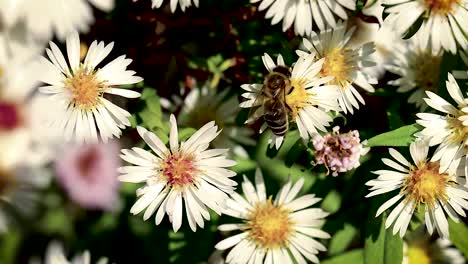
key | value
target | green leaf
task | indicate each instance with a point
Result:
(381, 246)
(393, 251)
(243, 165)
(185, 133)
(332, 202)
(151, 115)
(458, 236)
(341, 240)
(276, 168)
(354, 256)
(400, 137)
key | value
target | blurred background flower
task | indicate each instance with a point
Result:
(88, 173)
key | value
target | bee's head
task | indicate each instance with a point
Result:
(276, 81)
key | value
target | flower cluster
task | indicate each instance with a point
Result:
(118, 145)
(339, 152)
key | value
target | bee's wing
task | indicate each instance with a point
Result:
(256, 111)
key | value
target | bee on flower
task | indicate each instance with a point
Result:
(292, 95)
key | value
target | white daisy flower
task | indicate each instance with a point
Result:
(281, 231)
(418, 68)
(182, 3)
(443, 21)
(22, 132)
(344, 63)
(55, 255)
(450, 130)
(462, 74)
(421, 186)
(204, 104)
(24, 141)
(78, 90)
(47, 17)
(308, 101)
(188, 173)
(304, 13)
(384, 39)
(418, 248)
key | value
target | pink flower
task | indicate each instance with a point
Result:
(88, 173)
(339, 152)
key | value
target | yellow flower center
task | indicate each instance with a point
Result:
(179, 170)
(418, 254)
(441, 6)
(426, 185)
(337, 64)
(298, 98)
(85, 89)
(459, 131)
(427, 71)
(269, 225)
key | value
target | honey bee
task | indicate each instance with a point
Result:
(276, 86)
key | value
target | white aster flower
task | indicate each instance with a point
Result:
(281, 231)
(418, 68)
(188, 173)
(418, 248)
(23, 140)
(56, 255)
(78, 90)
(450, 130)
(384, 39)
(443, 21)
(204, 104)
(308, 100)
(182, 3)
(421, 186)
(45, 17)
(462, 74)
(304, 13)
(22, 133)
(344, 63)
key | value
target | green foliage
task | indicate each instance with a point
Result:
(400, 137)
(353, 256)
(459, 236)
(342, 239)
(151, 115)
(381, 246)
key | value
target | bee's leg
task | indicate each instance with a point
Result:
(288, 107)
(290, 90)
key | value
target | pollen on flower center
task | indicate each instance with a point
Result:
(336, 64)
(179, 170)
(459, 131)
(10, 116)
(298, 98)
(269, 225)
(425, 184)
(441, 6)
(427, 72)
(85, 89)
